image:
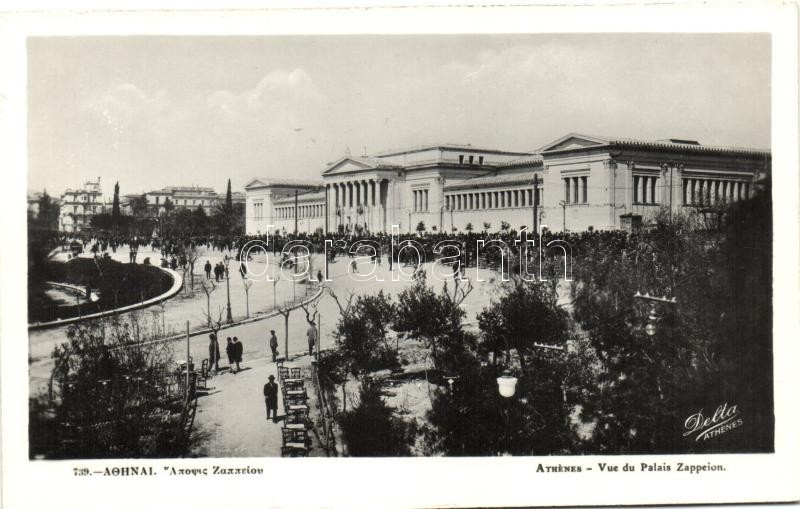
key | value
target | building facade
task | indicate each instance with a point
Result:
(181, 197)
(574, 183)
(78, 205)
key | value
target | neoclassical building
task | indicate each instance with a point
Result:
(578, 181)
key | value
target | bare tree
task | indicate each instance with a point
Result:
(285, 312)
(248, 283)
(208, 288)
(345, 304)
(215, 322)
(191, 254)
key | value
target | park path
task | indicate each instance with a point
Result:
(231, 417)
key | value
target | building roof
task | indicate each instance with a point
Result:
(529, 160)
(273, 182)
(301, 198)
(590, 141)
(445, 146)
(491, 180)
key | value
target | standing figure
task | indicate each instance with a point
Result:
(273, 345)
(238, 349)
(271, 398)
(213, 352)
(229, 350)
(312, 338)
(208, 269)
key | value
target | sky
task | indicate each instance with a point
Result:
(151, 112)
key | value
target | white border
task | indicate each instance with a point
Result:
(418, 482)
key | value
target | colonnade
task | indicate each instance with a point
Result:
(576, 189)
(708, 191)
(303, 211)
(491, 199)
(360, 202)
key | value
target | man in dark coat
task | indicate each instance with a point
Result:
(229, 350)
(273, 345)
(208, 269)
(271, 398)
(238, 349)
(213, 353)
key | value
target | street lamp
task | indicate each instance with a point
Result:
(653, 318)
(507, 386)
(564, 216)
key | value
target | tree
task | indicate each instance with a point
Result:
(716, 330)
(247, 284)
(361, 333)
(486, 227)
(372, 429)
(111, 395)
(228, 199)
(115, 212)
(208, 288)
(138, 205)
(469, 227)
(435, 318)
(168, 206)
(504, 226)
(420, 227)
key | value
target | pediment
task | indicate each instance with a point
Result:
(347, 165)
(255, 183)
(573, 141)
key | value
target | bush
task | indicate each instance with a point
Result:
(372, 429)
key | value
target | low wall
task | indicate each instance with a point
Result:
(177, 286)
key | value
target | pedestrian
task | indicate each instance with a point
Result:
(312, 338)
(238, 349)
(319, 276)
(271, 398)
(208, 269)
(273, 345)
(213, 352)
(243, 270)
(229, 352)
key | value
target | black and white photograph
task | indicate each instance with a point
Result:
(547, 245)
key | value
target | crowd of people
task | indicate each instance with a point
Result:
(179, 252)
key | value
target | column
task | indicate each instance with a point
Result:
(584, 184)
(635, 189)
(653, 189)
(644, 189)
(566, 190)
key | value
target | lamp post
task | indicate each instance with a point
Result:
(227, 260)
(564, 216)
(507, 387)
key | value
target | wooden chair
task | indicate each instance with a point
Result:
(297, 419)
(202, 375)
(294, 442)
(294, 384)
(295, 372)
(283, 373)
